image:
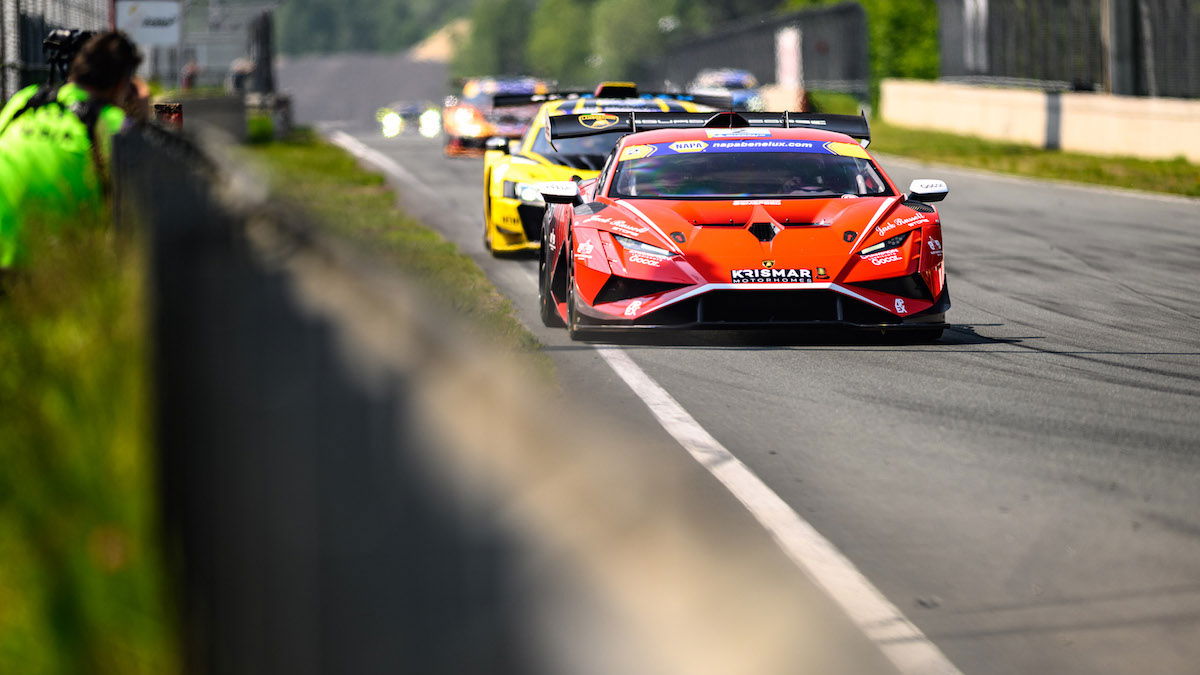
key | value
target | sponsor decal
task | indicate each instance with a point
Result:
(768, 264)
(738, 133)
(757, 202)
(883, 258)
(552, 242)
(688, 146)
(821, 273)
(900, 307)
(622, 227)
(644, 259)
(731, 145)
(926, 186)
(584, 250)
(637, 152)
(771, 276)
(847, 149)
(678, 237)
(597, 220)
(849, 235)
(910, 222)
(633, 308)
(598, 120)
(935, 246)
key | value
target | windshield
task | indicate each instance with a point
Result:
(600, 144)
(705, 175)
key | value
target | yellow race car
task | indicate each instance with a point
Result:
(512, 206)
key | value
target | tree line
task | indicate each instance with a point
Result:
(578, 42)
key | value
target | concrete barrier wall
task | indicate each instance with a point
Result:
(1080, 122)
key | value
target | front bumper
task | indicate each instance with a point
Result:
(815, 305)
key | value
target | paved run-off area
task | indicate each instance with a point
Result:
(1027, 490)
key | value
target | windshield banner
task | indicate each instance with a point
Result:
(747, 145)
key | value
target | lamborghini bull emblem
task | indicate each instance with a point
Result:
(768, 264)
(598, 120)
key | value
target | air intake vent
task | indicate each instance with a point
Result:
(920, 207)
(623, 288)
(912, 286)
(763, 231)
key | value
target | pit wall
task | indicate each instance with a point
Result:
(1099, 124)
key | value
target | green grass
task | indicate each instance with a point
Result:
(1175, 176)
(357, 203)
(82, 586)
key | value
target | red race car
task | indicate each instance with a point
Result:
(740, 220)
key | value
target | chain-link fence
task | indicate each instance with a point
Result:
(1130, 47)
(821, 48)
(23, 25)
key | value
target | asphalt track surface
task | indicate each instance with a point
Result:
(1027, 490)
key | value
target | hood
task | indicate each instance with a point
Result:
(719, 236)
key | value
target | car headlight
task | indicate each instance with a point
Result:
(894, 242)
(528, 193)
(641, 247)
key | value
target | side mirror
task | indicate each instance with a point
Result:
(497, 143)
(928, 190)
(560, 192)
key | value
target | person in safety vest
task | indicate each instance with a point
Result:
(56, 143)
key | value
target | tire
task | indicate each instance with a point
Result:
(487, 210)
(546, 304)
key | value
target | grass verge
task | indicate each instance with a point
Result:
(82, 584)
(329, 183)
(1175, 176)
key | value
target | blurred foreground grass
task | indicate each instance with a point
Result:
(357, 203)
(82, 586)
(1175, 176)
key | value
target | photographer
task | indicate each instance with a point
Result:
(56, 141)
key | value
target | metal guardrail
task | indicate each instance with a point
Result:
(352, 485)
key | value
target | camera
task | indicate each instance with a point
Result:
(60, 48)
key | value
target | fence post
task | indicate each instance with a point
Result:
(1120, 56)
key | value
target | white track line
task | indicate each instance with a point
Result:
(898, 638)
(902, 642)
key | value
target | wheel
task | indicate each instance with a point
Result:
(546, 304)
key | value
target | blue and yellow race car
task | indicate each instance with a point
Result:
(512, 206)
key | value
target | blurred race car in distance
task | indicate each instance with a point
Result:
(404, 116)
(469, 119)
(739, 85)
(512, 207)
(738, 220)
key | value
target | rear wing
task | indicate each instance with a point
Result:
(715, 101)
(574, 126)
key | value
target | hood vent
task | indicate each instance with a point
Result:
(764, 232)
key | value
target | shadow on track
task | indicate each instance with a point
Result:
(758, 339)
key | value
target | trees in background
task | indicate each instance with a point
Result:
(904, 36)
(361, 25)
(578, 42)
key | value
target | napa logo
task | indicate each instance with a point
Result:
(688, 146)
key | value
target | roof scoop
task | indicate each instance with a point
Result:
(727, 120)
